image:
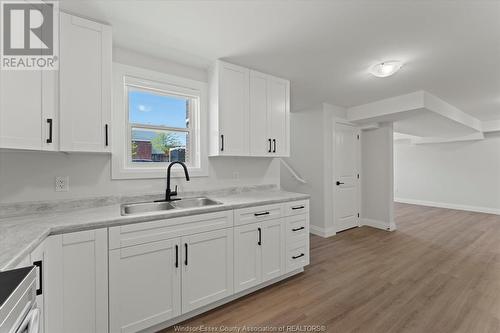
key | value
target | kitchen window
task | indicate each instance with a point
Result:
(158, 119)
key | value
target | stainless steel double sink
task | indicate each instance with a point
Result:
(149, 207)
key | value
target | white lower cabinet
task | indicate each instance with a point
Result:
(153, 272)
(144, 285)
(77, 282)
(259, 250)
(153, 282)
(37, 258)
(207, 268)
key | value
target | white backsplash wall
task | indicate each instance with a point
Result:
(30, 176)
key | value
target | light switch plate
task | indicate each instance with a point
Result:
(62, 184)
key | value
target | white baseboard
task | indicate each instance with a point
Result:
(322, 232)
(477, 209)
(378, 224)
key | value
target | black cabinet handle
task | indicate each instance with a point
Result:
(39, 264)
(339, 183)
(176, 256)
(298, 207)
(186, 259)
(297, 229)
(49, 121)
(222, 142)
(106, 141)
(260, 214)
(274, 143)
(300, 255)
(270, 145)
(260, 236)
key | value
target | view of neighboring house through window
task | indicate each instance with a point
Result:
(159, 126)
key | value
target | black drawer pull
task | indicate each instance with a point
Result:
(106, 140)
(297, 229)
(222, 142)
(176, 256)
(39, 264)
(260, 214)
(296, 257)
(270, 150)
(49, 121)
(186, 259)
(298, 207)
(260, 236)
(274, 142)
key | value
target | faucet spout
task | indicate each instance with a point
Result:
(168, 192)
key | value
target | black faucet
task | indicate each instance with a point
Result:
(168, 192)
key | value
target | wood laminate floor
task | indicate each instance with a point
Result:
(439, 272)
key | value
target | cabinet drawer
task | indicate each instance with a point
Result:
(256, 214)
(297, 255)
(146, 232)
(296, 207)
(297, 228)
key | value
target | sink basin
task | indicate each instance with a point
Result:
(194, 202)
(145, 207)
(148, 207)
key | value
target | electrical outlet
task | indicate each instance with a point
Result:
(62, 184)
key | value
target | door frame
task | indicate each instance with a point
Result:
(341, 121)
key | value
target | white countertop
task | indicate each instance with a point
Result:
(22, 234)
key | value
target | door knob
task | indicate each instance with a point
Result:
(339, 183)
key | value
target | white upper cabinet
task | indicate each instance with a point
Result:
(229, 111)
(269, 115)
(278, 112)
(249, 112)
(84, 85)
(28, 110)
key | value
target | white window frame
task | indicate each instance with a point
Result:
(122, 167)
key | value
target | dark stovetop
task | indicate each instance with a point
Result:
(9, 280)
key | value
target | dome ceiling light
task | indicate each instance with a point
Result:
(386, 68)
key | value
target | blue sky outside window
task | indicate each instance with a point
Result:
(149, 108)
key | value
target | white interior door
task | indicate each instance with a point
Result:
(346, 201)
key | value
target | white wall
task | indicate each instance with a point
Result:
(30, 176)
(460, 175)
(311, 156)
(377, 177)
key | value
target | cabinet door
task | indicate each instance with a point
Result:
(234, 110)
(278, 115)
(207, 268)
(260, 144)
(247, 256)
(273, 249)
(84, 84)
(21, 109)
(144, 285)
(37, 258)
(78, 282)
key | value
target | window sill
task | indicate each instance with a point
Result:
(153, 173)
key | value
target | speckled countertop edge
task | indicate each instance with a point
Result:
(20, 235)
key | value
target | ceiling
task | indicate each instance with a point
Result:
(451, 49)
